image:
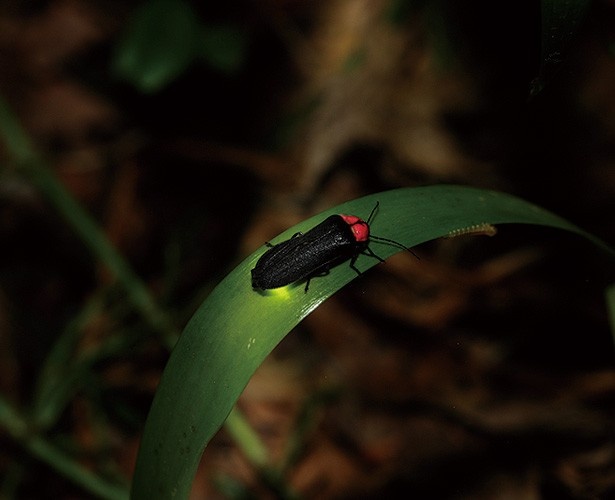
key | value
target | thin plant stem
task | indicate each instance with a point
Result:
(29, 163)
(23, 154)
(40, 448)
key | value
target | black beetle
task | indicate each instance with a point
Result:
(306, 256)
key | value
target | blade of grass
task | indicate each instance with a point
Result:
(236, 327)
(23, 155)
(77, 473)
(96, 240)
(54, 390)
(17, 428)
(30, 164)
(59, 376)
(78, 375)
(243, 434)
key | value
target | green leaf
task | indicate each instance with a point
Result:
(560, 20)
(236, 328)
(159, 44)
(224, 48)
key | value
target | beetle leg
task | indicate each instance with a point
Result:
(370, 252)
(352, 266)
(319, 274)
(271, 245)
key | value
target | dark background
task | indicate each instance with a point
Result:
(484, 370)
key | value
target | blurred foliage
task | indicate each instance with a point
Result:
(165, 37)
(123, 206)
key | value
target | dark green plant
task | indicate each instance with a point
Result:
(165, 37)
(236, 328)
(220, 348)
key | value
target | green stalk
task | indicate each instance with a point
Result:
(72, 470)
(20, 149)
(17, 428)
(247, 439)
(236, 328)
(23, 154)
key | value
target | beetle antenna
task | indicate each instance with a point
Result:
(393, 243)
(371, 215)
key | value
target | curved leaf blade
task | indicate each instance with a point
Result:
(236, 327)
